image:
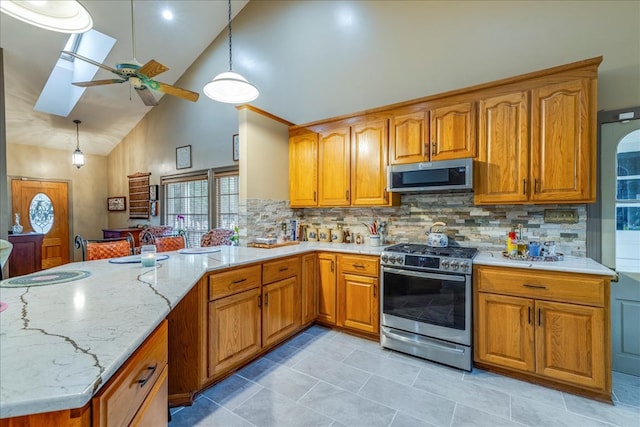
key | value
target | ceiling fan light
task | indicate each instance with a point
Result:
(231, 88)
(78, 158)
(63, 16)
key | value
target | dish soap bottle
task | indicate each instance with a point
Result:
(512, 247)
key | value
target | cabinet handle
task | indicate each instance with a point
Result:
(539, 317)
(536, 188)
(259, 301)
(151, 370)
(283, 268)
(332, 266)
(358, 265)
(347, 195)
(434, 148)
(375, 291)
(266, 299)
(529, 315)
(527, 285)
(314, 196)
(235, 282)
(524, 186)
(426, 149)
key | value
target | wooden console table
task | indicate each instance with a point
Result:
(113, 233)
(26, 256)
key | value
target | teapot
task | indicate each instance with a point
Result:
(436, 236)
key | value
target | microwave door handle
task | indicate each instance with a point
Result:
(451, 278)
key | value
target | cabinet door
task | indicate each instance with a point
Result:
(408, 138)
(502, 169)
(327, 288)
(309, 288)
(234, 330)
(570, 343)
(280, 310)
(369, 142)
(358, 302)
(562, 144)
(334, 179)
(504, 331)
(453, 132)
(303, 170)
(153, 411)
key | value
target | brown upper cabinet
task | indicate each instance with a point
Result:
(341, 165)
(444, 133)
(544, 154)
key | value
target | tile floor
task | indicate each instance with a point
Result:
(325, 378)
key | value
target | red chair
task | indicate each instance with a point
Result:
(105, 248)
(170, 243)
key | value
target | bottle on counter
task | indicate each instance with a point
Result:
(512, 245)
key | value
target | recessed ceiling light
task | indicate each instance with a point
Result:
(63, 16)
(167, 14)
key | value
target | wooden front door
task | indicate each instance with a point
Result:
(55, 246)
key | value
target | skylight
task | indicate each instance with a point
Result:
(59, 96)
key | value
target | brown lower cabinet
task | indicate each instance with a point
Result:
(230, 317)
(550, 328)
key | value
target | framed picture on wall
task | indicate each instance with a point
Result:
(236, 147)
(117, 203)
(153, 193)
(183, 157)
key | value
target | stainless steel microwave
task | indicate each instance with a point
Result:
(445, 175)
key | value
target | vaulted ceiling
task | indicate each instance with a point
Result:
(108, 113)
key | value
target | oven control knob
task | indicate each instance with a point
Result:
(384, 258)
(392, 259)
(464, 266)
(445, 264)
(454, 264)
(399, 259)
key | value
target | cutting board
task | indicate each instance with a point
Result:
(275, 245)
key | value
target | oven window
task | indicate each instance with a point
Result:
(433, 301)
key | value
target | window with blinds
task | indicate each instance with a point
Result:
(227, 190)
(200, 201)
(186, 201)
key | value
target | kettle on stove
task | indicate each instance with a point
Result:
(436, 236)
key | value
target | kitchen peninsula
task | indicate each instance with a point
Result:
(61, 343)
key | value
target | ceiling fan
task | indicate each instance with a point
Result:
(138, 75)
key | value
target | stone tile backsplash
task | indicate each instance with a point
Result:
(484, 227)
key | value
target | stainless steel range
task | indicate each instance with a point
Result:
(426, 302)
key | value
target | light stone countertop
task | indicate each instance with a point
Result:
(59, 344)
(570, 264)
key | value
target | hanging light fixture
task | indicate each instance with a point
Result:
(63, 16)
(230, 87)
(78, 156)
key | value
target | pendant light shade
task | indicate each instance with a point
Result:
(63, 16)
(78, 157)
(230, 87)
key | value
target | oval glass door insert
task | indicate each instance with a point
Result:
(41, 213)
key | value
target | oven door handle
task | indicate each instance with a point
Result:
(413, 339)
(449, 277)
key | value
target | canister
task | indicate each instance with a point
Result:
(337, 235)
(324, 234)
(312, 234)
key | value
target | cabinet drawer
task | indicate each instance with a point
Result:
(280, 269)
(359, 264)
(119, 401)
(232, 281)
(555, 286)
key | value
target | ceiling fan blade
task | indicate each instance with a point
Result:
(179, 92)
(146, 96)
(152, 68)
(91, 61)
(98, 82)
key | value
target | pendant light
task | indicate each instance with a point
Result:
(78, 156)
(63, 16)
(230, 87)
